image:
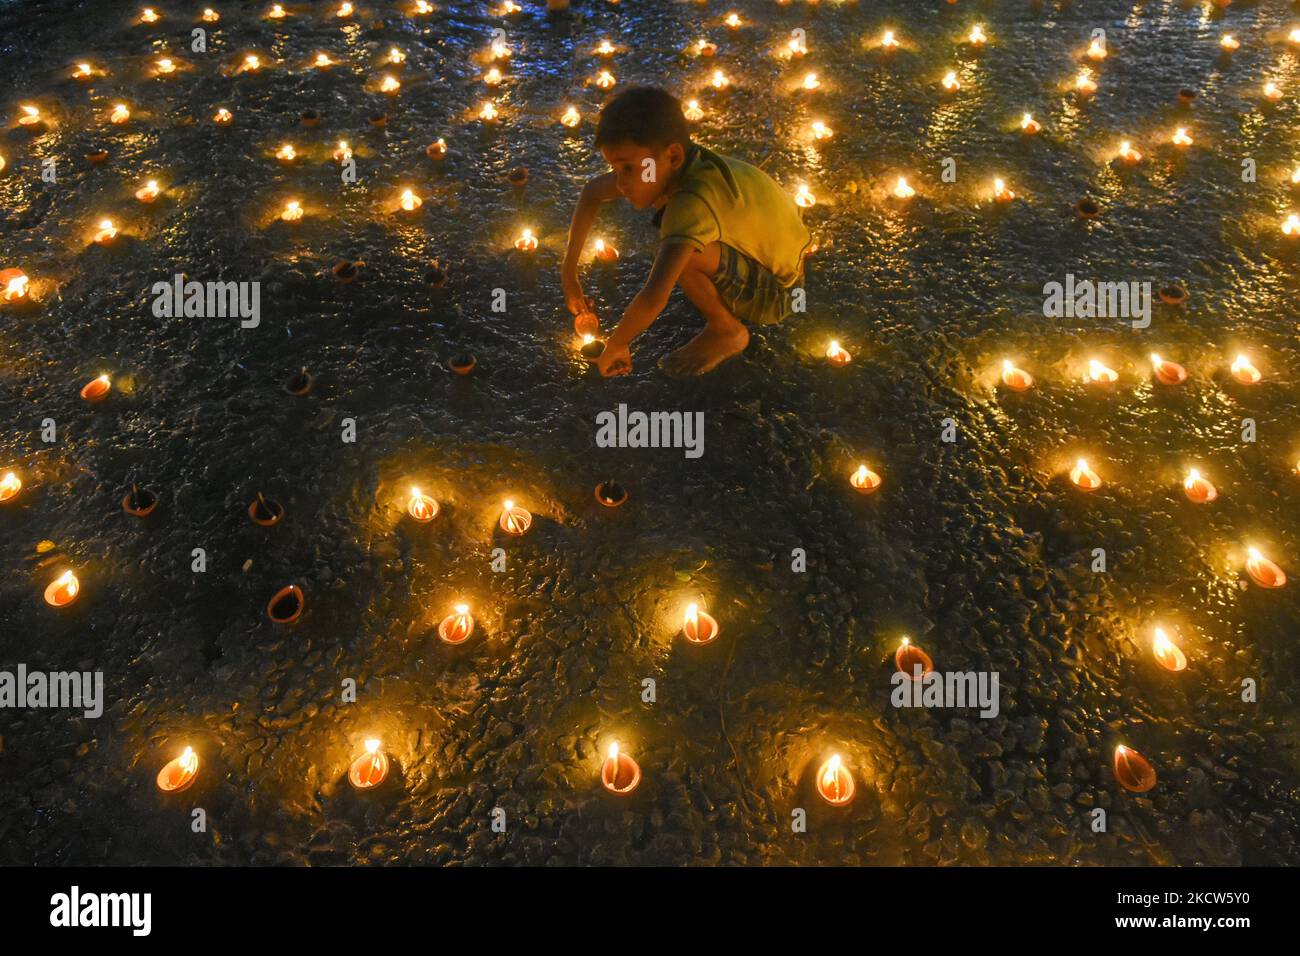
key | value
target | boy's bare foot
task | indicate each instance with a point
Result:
(705, 352)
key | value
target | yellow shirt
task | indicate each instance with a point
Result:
(721, 199)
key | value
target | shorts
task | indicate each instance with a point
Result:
(749, 289)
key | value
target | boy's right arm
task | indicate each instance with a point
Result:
(599, 190)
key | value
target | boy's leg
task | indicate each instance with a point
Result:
(723, 335)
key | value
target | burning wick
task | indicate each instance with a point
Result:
(148, 16)
(1084, 84)
(107, 232)
(1291, 225)
(371, 768)
(1272, 91)
(1180, 137)
(10, 485)
(605, 79)
(804, 198)
(699, 627)
(1096, 49)
(1243, 371)
(390, 84)
(810, 81)
(251, 62)
(902, 190)
(31, 115)
(456, 628)
(912, 661)
(323, 60)
(889, 41)
(96, 388)
(83, 71)
(344, 11)
(1168, 654)
(605, 48)
(166, 65)
(571, 117)
(492, 77)
(179, 772)
(796, 46)
(210, 15)
(1030, 126)
(1133, 771)
(222, 117)
(344, 151)
(865, 480)
(1016, 379)
(821, 131)
(292, 211)
(488, 113)
(720, 81)
(619, 773)
(63, 590)
(526, 242)
(15, 284)
(1198, 489)
(1168, 373)
(693, 111)
(1084, 477)
(977, 37)
(950, 81)
(605, 253)
(148, 192)
(286, 153)
(734, 21)
(1100, 373)
(1263, 571)
(1128, 153)
(1000, 191)
(834, 783)
(120, 114)
(421, 507)
(837, 355)
(409, 201)
(515, 520)
(1229, 43)
(705, 47)
(500, 50)
(276, 12)
(423, 6)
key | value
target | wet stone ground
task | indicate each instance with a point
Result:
(978, 549)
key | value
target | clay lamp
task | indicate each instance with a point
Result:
(389, 84)
(1291, 225)
(165, 66)
(1272, 92)
(250, 64)
(2, 163)
(604, 48)
(1186, 97)
(437, 149)
(344, 11)
(1016, 379)
(1100, 374)
(908, 658)
(803, 197)
(148, 192)
(1181, 137)
(13, 285)
(10, 485)
(179, 772)
(371, 768)
(950, 81)
(1244, 372)
(422, 7)
(456, 627)
(286, 153)
(719, 80)
(1172, 294)
(435, 275)
(1084, 478)
(619, 773)
(518, 176)
(1167, 372)
(605, 253)
(378, 121)
(699, 627)
(139, 502)
(96, 389)
(610, 493)
(1096, 50)
(300, 383)
(1133, 771)
(734, 21)
(888, 41)
(586, 323)
(1263, 571)
(421, 507)
(1130, 155)
(1084, 84)
(120, 114)
(1168, 654)
(493, 77)
(276, 13)
(795, 47)
(1229, 43)
(265, 511)
(342, 152)
(837, 355)
(865, 480)
(309, 118)
(604, 79)
(84, 71)
(820, 131)
(347, 271)
(106, 232)
(1087, 208)
(1295, 181)
(509, 8)
(322, 61)
(1030, 126)
(292, 211)
(1001, 192)
(693, 113)
(515, 520)
(222, 117)
(210, 15)
(834, 783)
(409, 201)
(571, 117)
(97, 156)
(1198, 488)
(903, 189)
(63, 590)
(977, 37)
(592, 348)
(30, 117)
(488, 113)
(526, 242)
(147, 15)
(462, 363)
(286, 605)
(500, 50)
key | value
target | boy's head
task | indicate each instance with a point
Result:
(638, 124)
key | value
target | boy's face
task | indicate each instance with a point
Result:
(628, 161)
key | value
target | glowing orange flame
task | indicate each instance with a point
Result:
(1100, 373)
(693, 111)
(865, 480)
(1084, 477)
(292, 212)
(1243, 371)
(526, 242)
(10, 485)
(148, 192)
(1014, 378)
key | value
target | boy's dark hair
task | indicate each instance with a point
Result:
(644, 115)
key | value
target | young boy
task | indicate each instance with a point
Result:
(730, 237)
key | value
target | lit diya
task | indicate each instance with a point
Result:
(1100, 374)
(912, 661)
(1243, 371)
(591, 348)
(286, 605)
(1016, 379)
(604, 79)
(605, 253)
(63, 590)
(571, 117)
(286, 153)
(837, 354)
(96, 389)
(526, 242)
(1129, 154)
(437, 149)
(950, 81)
(1030, 126)
(148, 192)
(106, 232)
(821, 131)
(803, 197)
(977, 37)
(705, 47)
(619, 773)
(734, 21)
(276, 12)
(1198, 488)
(292, 211)
(3, 162)
(14, 284)
(371, 768)
(1181, 137)
(147, 15)
(10, 485)
(1167, 372)
(344, 10)
(693, 111)
(609, 493)
(493, 77)
(1096, 49)
(1001, 192)
(409, 201)
(210, 15)
(422, 7)
(165, 65)
(179, 772)
(1084, 84)
(1084, 477)
(1229, 43)
(1133, 771)
(1168, 654)
(865, 480)
(605, 48)
(222, 117)
(343, 152)
(1272, 91)
(488, 113)
(391, 84)
(500, 50)
(121, 113)
(888, 41)
(699, 627)
(1291, 225)
(796, 46)
(834, 782)
(29, 116)
(322, 60)
(456, 628)
(1263, 571)
(515, 520)
(251, 63)
(421, 507)
(902, 189)
(719, 80)
(84, 71)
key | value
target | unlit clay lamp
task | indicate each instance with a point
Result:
(1088, 208)
(619, 773)
(462, 363)
(96, 389)
(179, 772)
(699, 627)
(265, 511)
(834, 783)
(1198, 488)
(1084, 477)
(1172, 294)
(287, 604)
(300, 383)
(347, 271)
(139, 502)
(1016, 379)
(456, 628)
(1263, 571)
(865, 480)
(518, 177)
(1167, 372)
(63, 590)
(1168, 654)
(370, 769)
(909, 657)
(610, 493)
(421, 507)
(515, 520)
(1133, 771)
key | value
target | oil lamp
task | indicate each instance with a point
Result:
(734, 21)
(30, 115)
(1129, 154)
(605, 253)
(371, 768)
(276, 12)
(526, 242)
(810, 81)
(1167, 372)
(1294, 36)
(605, 48)
(210, 15)
(390, 84)
(1016, 379)
(510, 7)
(1272, 91)
(147, 15)
(1229, 43)
(699, 627)
(344, 10)
(605, 79)
(84, 71)
(15, 283)
(250, 63)
(148, 192)
(456, 628)
(2, 163)
(834, 782)
(421, 507)
(1084, 477)
(409, 201)
(950, 81)
(821, 131)
(488, 113)
(693, 111)
(1295, 180)
(1030, 126)
(292, 211)
(422, 7)
(179, 772)
(166, 65)
(1168, 654)
(977, 37)
(1096, 49)
(222, 117)
(836, 354)
(571, 117)
(107, 232)
(10, 485)
(515, 520)
(865, 480)
(343, 152)
(1084, 84)
(720, 81)
(619, 773)
(1181, 137)
(1198, 488)
(437, 149)
(909, 659)
(1100, 374)
(804, 198)
(1133, 771)
(796, 46)
(902, 189)
(121, 113)
(63, 590)
(322, 60)
(1243, 371)
(96, 388)
(1263, 571)
(492, 77)
(705, 47)
(1001, 192)
(1291, 225)
(500, 50)
(888, 41)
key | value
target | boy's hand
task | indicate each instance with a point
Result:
(615, 360)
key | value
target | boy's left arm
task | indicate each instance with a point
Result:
(645, 306)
